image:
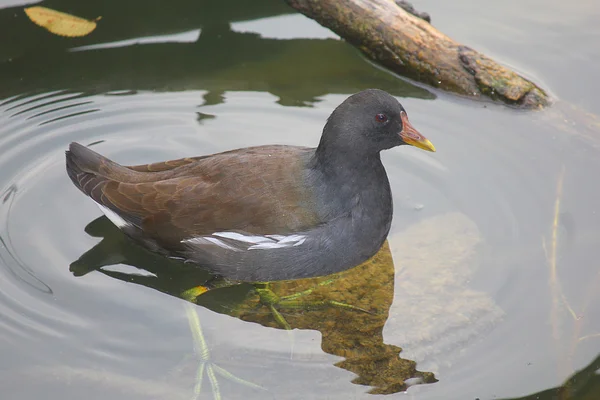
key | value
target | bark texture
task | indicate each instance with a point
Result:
(410, 46)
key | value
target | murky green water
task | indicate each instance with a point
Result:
(494, 286)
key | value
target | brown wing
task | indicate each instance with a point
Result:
(173, 164)
(165, 165)
(256, 190)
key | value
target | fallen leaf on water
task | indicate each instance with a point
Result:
(60, 23)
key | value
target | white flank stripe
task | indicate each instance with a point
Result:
(276, 237)
(265, 246)
(242, 238)
(203, 240)
(114, 217)
(300, 241)
(219, 243)
(291, 238)
(257, 242)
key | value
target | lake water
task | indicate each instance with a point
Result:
(490, 284)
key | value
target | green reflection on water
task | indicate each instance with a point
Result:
(297, 71)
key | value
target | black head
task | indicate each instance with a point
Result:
(368, 122)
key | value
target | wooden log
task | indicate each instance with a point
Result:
(410, 46)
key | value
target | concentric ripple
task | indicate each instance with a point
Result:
(471, 240)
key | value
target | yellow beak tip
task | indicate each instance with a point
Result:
(423, 145)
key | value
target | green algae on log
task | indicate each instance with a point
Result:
(410, 46)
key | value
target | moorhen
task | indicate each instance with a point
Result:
(263, 213)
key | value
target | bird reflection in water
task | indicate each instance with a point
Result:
(348, 308)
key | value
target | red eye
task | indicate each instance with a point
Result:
(381, 118)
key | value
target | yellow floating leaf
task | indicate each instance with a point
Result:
(60, 23)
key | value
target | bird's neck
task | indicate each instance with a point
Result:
(354, 201)
(347, 181)
(334, 158)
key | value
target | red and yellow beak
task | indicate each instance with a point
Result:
(411, 136)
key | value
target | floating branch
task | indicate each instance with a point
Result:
(410, 46)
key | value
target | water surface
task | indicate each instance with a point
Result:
(490, 284)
